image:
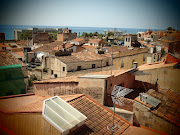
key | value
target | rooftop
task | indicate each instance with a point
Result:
(121, 50)
(98, 116)
(168, 108)
(82, 56)
(78, 39)
(88, 47)
(7, 58)
(48, 47)
(60, 47)
(95, 40)
(62, 79)
(155, 65)
(147, 45)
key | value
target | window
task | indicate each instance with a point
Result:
(55, 76)
(52, 72)
(122, 63)
(158, 58)
(93, 65)
(64, 68)
(126, 39)
(154, 56)
(144, 58)
(107, 63)
(78, 68)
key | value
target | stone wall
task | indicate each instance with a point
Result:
(146, 118)
(57, 68)
(128, 58)
(168, 77)
(94, 92)
(86, 64)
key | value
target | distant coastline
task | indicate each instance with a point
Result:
(9, 29)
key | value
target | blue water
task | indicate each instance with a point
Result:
(9, 29)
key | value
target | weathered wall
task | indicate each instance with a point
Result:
(153, 57)
(57, 68)
(168, 77)
(94, 92)
(45, 86)
(27, 124)
(86, 64)
(59, 37)
(128, 57)
(145, 118)
(125, 79)
(88, 71)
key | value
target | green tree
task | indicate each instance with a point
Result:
(110, 34)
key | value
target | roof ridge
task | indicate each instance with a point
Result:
(106, 109)
(70, 100)
(20, 95)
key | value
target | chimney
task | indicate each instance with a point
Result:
(135, 64)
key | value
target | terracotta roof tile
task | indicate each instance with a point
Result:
(148, 45)
(88, 47)
(168, 108)
(6, 58)
(138, 131)
(98, 116)
(155, 65)
(48, 48)
(78, 39)
(60, 47)
(81, 56)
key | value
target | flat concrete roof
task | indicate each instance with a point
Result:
(95, 76)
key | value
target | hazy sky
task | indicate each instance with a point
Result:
(92, 13)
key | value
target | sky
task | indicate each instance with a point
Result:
(153, 14)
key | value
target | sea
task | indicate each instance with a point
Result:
(9, 29)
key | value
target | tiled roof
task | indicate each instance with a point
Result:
(20, 53)
(81, 56)
(120, 48)
(155, 65)
(22, 42)
(7, 58)
(108, 72)
(78, 39)
(67, 45)
(169, 106)
(132, 130)
(148, 45)
(3, 45)
(62, 79)
(48, 48)
(88, 47)
(94, 41)
(98, 116)
(26, 103)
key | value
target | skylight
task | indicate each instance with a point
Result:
(62, 115)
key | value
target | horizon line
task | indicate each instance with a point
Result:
(82, 26)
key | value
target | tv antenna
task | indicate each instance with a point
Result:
(117, 96)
